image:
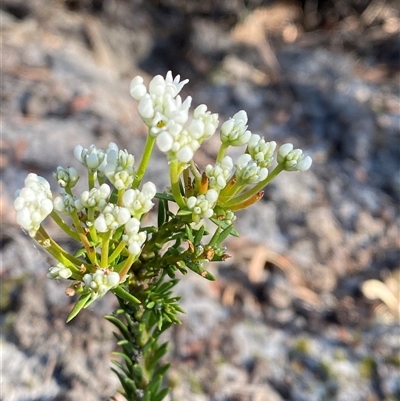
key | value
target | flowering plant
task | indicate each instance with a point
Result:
(136, 262)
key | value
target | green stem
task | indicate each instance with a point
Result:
(90, 250)
(104, 249)
(64, 226)
(116, 252)
(257, 188)
(221, 152)
(148, 149)
(60, 254)
(195, 171)
(125, 268)
(92, 230)
(175, 184)
(230, 191)
(214, 238)
(91, 179)
(187, 182)
(120, 195)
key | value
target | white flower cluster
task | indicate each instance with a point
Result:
(202, 206)
(261, 152)
(92, 158)
(163, 111)
(100, 282)
(96, 198)
(132, 237)
(59, 272)
(135, 203)
(234, 131)
(111, 218)
(293, 159)
(219, 174)
(33, 203)
(68, 204)
(66, 177)
(139, 202)
(118, 167)
(248, 171)
(115, 164)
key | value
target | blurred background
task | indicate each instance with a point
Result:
(307, 309)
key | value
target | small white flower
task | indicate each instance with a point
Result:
(66, 177)
(91, 158)
(138, 89)
(174, 85)
(165, 141)
(234, 131)
(261, 152)
(139, 202)
(248, 171)
(68, 204)
(111, 218)
(185, 154)
(202, 206)
(293, 159)
(146, 107)
(118, 167)
(96, 198)
(161, 105)
(59, 272)
(33, 203)
(220, 173)
(100, 282)
(204, 123)
(133, 238)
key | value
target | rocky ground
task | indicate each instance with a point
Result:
(308, 306)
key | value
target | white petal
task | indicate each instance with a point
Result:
(185, 154)
(164, 141)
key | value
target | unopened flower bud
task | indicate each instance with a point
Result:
(293, 159)
(59, 272)
(234, 131)
(66, 177)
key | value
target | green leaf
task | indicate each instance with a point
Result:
(161, 395)
(184, 212)
(121, 368)
(150, 305)
(162, 370)
(83, 300)
(80, 253)
(154, 385)
(123, 294)
(189, 233)
(114, 196)
(224, 225)
(125, 357)
(120, 325)
(199, 236)
(152, 361)
(164, 196)
(225, 233)
(162, 217)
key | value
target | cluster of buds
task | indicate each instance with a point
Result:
(96, 214)
(100, 282)
(167, 117)
(33, 203)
